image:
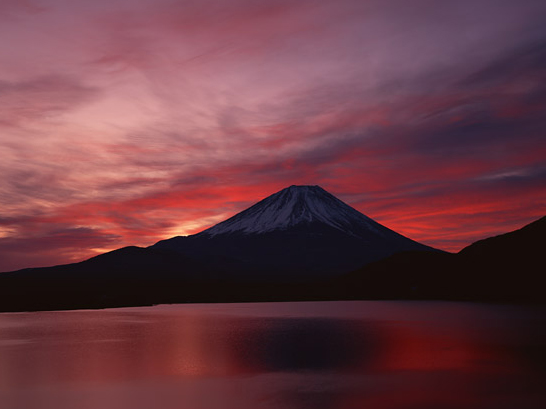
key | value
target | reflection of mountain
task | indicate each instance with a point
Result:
(298, 244)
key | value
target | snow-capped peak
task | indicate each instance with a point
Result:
(293, 206)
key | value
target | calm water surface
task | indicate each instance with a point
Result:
(379, 355)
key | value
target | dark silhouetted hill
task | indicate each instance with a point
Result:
(504, 268)
(298, 244)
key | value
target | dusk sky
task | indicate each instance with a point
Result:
(124, 122)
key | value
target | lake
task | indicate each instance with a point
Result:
(362, 354)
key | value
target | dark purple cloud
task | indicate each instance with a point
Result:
(40, 98)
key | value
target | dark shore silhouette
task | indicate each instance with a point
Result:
(323, 250)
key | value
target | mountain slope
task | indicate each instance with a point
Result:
(525, 242)
(504, 268)
(298, 205)
(299, 233)
(508, 266)
(124, 277)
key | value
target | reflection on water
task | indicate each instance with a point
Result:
(288, 355)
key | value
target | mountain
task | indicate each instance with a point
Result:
(299, 206)
(516, 246)
(282, 248)
(504, 268)
(301, 243)
(298, 233)
(508, 266)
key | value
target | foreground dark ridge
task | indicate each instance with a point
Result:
(504, 268)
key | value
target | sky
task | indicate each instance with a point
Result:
(124, 122)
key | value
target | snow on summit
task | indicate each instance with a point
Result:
(297, 205)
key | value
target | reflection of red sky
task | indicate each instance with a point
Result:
(427, 359)
(189, 346)
(414, 348)
(177, 347)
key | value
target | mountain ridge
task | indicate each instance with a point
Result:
(304, 260)
(502, 268)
